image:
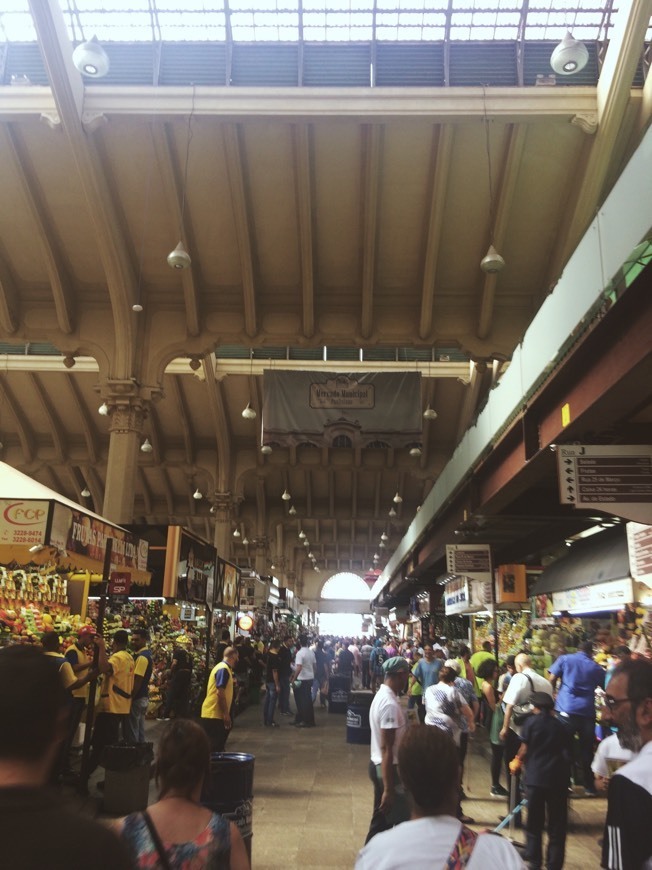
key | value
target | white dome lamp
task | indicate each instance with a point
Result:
(90, 59)
(492, 262)
(179, 258)
(570, 56)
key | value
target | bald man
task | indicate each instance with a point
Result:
(520, 690)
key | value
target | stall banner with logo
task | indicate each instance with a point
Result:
(511, 586)
(341, 410)
(84, 535)
(23, 522)
(600, 596)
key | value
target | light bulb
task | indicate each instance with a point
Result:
(266, 449)
(286, 495)
(302, 534)
(197, 495)
(429, 413)
(397, 498)
(384, 536)
(103, 410)
(306, 543)
(392, 512)
(236, 533)
(249, 413)
(85, 493)
(292, 511)
(146, 446)
(245, 541)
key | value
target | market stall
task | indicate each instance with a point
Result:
(52, 552)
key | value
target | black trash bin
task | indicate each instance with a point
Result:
(126, 784)
(338, 693)
(229, 790)
(357, 717)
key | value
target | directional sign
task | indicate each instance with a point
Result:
(469, 560)
(639, 541)
(610, 477)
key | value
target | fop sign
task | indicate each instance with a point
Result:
(23, 522)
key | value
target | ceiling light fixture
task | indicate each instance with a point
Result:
(392, 512)
(316, 568)
(103, 410)
(311, 555)
(213, 509)
(492, 262)
(306, 543)
(429, 413)
(197, 495)
(85, 493)
(376, 557)
(286, 495)
(146, 446)
(382, 545)
(292, 511)
(570, 56)
(397, 498)
(272, 567)
(137, 307)
(249, 413)
(245, 541)
(302, 534)
(90, 59)
(266, 449)
(415, 451)
(179, 258)
(384, 536)
(236, 532)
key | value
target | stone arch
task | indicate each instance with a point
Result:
(345, 586)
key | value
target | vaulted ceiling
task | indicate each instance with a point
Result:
(333, 226)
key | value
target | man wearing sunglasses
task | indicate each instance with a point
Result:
(627, 841)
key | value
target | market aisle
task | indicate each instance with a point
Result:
(312, 797)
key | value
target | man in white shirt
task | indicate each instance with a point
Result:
(388, 723)
(519, 691)
(434, 838)
(304, 673)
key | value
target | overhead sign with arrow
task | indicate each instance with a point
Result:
(613, 478)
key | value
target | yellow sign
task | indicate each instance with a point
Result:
(511, 584)
(565, 414)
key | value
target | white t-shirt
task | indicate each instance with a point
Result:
(444, 709)
(428, 843)
(520, 690)
(385, 713)
(608, 750)
(306, 658)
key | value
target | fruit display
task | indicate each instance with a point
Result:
(513, 626)
(22, 586)
(28, 624)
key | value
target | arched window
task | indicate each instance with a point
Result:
(345, 585)
(342, 441)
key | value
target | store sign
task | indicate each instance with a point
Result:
(245, 623)
(469, 560)
(601, 596)
(23, 523)
(119, 583)
(639, 543)
(77, 532)
(457, 596)
(511, 586)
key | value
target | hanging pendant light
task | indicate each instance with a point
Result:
(384, 536)
(197, 495)
(492, 262)
(306, 543)
(429, 413)
(90, 59)
(292, 511)
(245, 541)
(236, 532)
(286, 495)
(265, 449)
(249, 413)
(146, 446)
(302, 534)
(415, 451)
(397, 498)
(570, 56)
(85, 493)
(103, 410)
(392, 512)
(179, 258)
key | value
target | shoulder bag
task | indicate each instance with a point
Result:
(521, 712)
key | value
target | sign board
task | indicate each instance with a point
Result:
(470, 560)
(511, 586)
(119, 583)
(601, 596)
(613, 477)
(23, 523)
(639, 544)
(463, 595)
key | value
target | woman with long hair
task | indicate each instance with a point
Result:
(488, 673)
(177, 832)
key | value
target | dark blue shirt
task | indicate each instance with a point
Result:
(548, 759)
(580, 676)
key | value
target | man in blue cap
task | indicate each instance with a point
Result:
(388, 724)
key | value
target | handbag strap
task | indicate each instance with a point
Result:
(462, 849)
(165, 861)
(529, 679)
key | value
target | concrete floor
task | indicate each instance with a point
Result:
(312, 798)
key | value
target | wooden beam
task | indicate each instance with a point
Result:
(8, 301)
(85, 421)
(57, 432)
(303, 174)
(167, 489)
(184, 420)
(52, 259)
(241, 219)
(372, 161)
(25, 432)
(221, 427)
(441, 157)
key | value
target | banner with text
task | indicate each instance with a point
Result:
(342, 410)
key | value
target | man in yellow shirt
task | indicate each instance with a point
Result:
(134, 724)
(80, 656)
(216, 709)
(115, 696)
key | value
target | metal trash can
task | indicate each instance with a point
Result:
(357, 718)
(126, 784)
(339, 688)
(229, 790)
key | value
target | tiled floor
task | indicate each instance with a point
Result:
(312, 798)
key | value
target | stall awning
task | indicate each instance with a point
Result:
(598, 559)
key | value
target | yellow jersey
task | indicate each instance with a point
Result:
(77, 656)
(117, 687)
(222, 677)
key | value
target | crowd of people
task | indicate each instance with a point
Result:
(532, 723)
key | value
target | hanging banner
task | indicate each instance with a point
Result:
(601, 596)
(77, 533)
(342, 410)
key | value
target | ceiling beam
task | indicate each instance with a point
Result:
(470, 401)
(25, 432)
(441, 157)
(303, 175)
(173, 190)
(95, 484)
(241, 219)
(155, 436)
(613, 96)
(221, 427)
(506, 188)
(8, 301)
(110, 235)
(372, 161)
(167, 489)
(184, 421)
(52, 259)
(57, 432)
(90, 434)
(145, 490)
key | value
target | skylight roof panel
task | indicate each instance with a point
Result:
(191, 26)
(17, 27)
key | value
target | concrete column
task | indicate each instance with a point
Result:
(223, 520)
(127, 418)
